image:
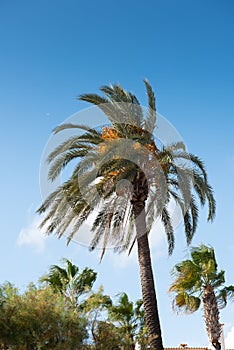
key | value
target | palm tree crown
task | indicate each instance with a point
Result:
(198, 280)
(125, 150)
(69, 281)
(130, 181)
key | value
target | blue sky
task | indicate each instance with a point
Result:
(53, 51)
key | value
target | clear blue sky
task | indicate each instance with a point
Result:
(52, 51)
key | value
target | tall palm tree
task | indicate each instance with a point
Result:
(130, 181)
(198, 281)
(69, 281)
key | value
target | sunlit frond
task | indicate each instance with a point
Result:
(151, 114)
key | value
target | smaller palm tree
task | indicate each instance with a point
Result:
(69, 281)
(94, 308)
(199, 281)
(129, 316)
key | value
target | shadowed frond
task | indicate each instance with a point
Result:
(168, 229)
(225, 294)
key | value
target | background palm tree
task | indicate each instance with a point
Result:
(198, 281)
(130, 181)
(69, 281)
(129, 316)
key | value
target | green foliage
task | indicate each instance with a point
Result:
(128, 315)
(69, 281)
(108, 337)
(42, 318)
(95, 308)
(114, 325)
(130, 319)
(39, 319)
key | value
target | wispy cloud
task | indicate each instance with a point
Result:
(158, 249)
(32, 236)
(229, 341)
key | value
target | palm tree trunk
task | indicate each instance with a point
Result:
(147, 281)
(211, 315)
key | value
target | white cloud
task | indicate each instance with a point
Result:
(229, 341)
(32, 236)
(157, 245)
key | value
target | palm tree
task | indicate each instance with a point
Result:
(69, 281)
(93, 308)
(129, 316)
(130, 181)
(199, 281)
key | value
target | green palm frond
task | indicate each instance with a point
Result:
(187, 276)
(151, 113)
(195, 214)
(57, 278)
(205, 193)
(93, 99)
(193, 158)
(104, 104)
(84, 281)
(225, 294)
(69, 126)
(204, 257)
(72, 270)
(85, 141)
(168, 229)
(218, 279)
(136, 110)
(186, 303)
(69, 281)
(62, 161)
(116, 93)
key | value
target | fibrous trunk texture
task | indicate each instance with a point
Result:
(147, 281)
(211, 315)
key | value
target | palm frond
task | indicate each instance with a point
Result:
(93, 99)
(66, 126)
(174, 148)
(68, 145)
(116, 93)
(185, 303)
(151, 114)
(194, 159)
(225, 294)
(169, 230)
(61, 161)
